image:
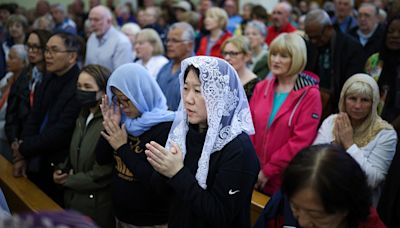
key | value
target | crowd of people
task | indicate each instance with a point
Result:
(171, 114)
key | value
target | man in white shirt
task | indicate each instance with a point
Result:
(106, 46)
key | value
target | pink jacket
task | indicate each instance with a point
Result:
(294, 127)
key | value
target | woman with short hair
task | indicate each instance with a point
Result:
(323, 186)
(286, 110)
(150, 51)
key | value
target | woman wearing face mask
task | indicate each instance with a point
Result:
(86, 183)
(138, 105)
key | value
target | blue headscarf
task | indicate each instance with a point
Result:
(135, 82)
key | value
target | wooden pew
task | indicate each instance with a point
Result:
(258, 201)
(21, 194)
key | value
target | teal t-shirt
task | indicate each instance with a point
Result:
(279, 98)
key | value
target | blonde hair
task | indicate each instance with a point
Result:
(240, 42)
(293, 45)
(220, 15)
(151, 36)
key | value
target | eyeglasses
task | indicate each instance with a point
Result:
(316, 37)
(120, 101)
(231, 53)
(33, 48)
(52, 52)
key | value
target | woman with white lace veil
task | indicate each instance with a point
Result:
(209, 160)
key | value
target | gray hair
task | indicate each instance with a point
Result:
(60, 7)
(259, 26)
(318, 16)
(21, 52)
(367, 4)
(188, 32)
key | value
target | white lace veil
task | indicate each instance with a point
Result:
(228, 112)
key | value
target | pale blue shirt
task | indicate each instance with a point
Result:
(111, 50)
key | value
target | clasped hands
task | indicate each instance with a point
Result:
(343, 130)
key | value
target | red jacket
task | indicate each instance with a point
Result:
(272, 33)
(216, 49)
(293, 128)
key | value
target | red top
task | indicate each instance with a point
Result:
(216, 49)
(273, 33)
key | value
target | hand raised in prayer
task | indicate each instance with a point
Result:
(114, 134)
(168, 163)
(110, 111)
(344, 130)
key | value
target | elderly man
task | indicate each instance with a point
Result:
(369, 32)
(280, 21)
(343, 18)
(106, 46)
(332, 55)
(180, 44)
(63, 23)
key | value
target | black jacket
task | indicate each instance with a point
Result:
(18, 107)
(49, 127)
(373, 44)
(347, 60)
(135, 200)
(231, 177)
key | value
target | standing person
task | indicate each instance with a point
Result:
(17, 62)
(150, 51)
(106, 46)
(236, 51)
(215, 23)
(280, 22)
(24, 91)
(344, 20)
(47, 133)
(256, 32)
(141, 109)
(357, 127)
(180, 44)
(323, 186)
(86, 183)
(286, 110)
(208, 162)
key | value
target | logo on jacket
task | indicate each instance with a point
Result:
(231, 192)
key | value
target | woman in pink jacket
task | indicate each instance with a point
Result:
(286, 110)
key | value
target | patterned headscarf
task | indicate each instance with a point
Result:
(373, 124)
(135, 82)
(228, 112)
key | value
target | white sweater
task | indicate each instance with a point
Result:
(374, 158)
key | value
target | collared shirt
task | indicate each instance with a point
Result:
(169, 84)
(347, 24)
(111, 50)
(363, 38)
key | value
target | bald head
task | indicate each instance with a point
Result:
(281, 14)
(100, 18)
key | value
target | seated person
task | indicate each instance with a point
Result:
(370, 140)
(323, 186)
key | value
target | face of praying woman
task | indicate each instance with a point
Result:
(14, 63)
(358, 106)
(194, 101)
(35, 50)
(308, 209)
(125, 104)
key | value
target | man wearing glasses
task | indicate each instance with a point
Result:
(332, 55)
(180, 43)
(47, 133)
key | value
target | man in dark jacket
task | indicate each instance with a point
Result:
(369, 32)
(47, 133)
(332, 55)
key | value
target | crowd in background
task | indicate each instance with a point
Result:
(91, 100)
